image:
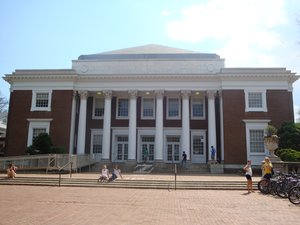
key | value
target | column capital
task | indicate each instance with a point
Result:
(132, 93)
(159, 93)
(211, 93)
(185, 93)
(83, 94)
(107, 93)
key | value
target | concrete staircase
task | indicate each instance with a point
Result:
(127, 183)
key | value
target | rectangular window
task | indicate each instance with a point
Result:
(122, 108)
(98, 107)
(36, 132)
(173, 108)
(41, 101)
(148, 108)
(97, 143)
(36, 127)
(255, 101)
(198, 108)
(198, 145)
(257, 141)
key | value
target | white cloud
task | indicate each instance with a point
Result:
(247, 26)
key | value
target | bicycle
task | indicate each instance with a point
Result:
(294, 194)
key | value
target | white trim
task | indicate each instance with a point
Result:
(179, 109)
(142, 109)
(116, 131)
(198, 117)
(117, 109)
(97, 132)
(264, 100)
(199, 132)
(33, 100)
(37, 123)
(94, 105)
(144, 132)
(256, 158)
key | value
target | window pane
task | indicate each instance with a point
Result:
(148, 107)
(255, 100)
(198, 145)
(257, 141)
(42, 100)
(97, 143)
(198, 108)
(99, 107)
(123, 107)
(36, 132)
(173, 107)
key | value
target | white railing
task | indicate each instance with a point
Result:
(49, 162)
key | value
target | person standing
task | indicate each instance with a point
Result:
(267, 168)
(213, 153)
(145, 154)
(248, 174)
(183, 161)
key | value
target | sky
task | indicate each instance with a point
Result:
(49, 34)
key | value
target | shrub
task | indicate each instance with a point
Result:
(289, 155)
(58, 150)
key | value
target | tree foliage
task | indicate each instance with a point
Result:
(42, 144)
(3, 103)
(289, 135)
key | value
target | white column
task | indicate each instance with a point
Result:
(132, 125)
(212, 140)
(159, 126)
(72, 128)
(185, 131)
(106, 125)
(82, 123)
(222, 126)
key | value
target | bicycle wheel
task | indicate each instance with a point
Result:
(263, 186)
(281, 190)
(272, 187)
(294, 195)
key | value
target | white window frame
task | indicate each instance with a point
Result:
(37, 123)
(194, 99)
(33, 100)
(117, 111)
(255, 125)
(94, 106)
(95, 132)
(264, 101)
(142, 109)
(179, 109)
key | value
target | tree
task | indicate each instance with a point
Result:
(3, 103)
(289, 135)
(42, 144)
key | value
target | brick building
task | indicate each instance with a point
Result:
(115, 104)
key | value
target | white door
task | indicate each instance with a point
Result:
(121, 148)
(198, 148)
(147, 143)
(173, 149)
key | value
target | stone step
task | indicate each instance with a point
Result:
(133, 183)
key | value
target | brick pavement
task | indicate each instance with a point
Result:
(22, 205)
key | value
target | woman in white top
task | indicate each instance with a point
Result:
(104, 174)
(248, 174)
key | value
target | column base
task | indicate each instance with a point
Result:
(216, 168)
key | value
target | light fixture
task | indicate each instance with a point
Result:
(99, 93)
(197, 93)
(147, 93)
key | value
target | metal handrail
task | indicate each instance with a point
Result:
(61, 168)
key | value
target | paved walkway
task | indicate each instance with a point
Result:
(22, 205)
